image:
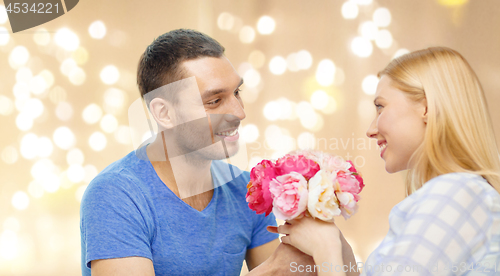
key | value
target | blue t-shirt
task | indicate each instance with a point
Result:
(128, 211)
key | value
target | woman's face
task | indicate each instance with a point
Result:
(399, 125)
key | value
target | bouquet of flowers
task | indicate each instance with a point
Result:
(326, 186)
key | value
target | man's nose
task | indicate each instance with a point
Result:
(236, 109)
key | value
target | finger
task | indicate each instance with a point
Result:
(273, 229)
(285, 239)
(284, 229)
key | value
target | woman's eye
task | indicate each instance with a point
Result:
(378, 107)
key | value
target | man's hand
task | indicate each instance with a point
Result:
(285, 261)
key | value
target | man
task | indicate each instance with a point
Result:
(168, 208)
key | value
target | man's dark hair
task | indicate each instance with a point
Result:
(159, 64)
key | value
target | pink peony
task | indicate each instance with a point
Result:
(353, 170)
(297, 163)
(289, 194)
(348, 204)
(258, 195)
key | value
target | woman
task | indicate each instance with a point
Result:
(432, 120)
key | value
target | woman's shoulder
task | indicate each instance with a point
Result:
(449, 182)
(460, 187)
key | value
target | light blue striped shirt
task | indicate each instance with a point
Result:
(450, 226)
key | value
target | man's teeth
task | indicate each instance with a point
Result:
(227, 133)
(382, 146)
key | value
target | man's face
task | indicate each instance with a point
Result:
(215, 136)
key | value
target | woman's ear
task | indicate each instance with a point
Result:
(162, 112)
(424, 116)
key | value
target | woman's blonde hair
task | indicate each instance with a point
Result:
(459, 135)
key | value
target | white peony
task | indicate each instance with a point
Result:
(322, 201)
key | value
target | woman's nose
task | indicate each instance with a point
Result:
(372, 130)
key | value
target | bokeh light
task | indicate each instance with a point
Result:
(9, 155)
(75, 173)
(249, 133)
(64, 111)
(28, 149)
(24, 74)
(400, 52)
(67, 39)
(384, 39)
(35, 189)
(277, 65)
(291, 62)
(90, 172)
(44, 147)
(305, 112)
(24, 121)
(225, 21)
(48, 77)
(123, 136)
(266, 25)
(80, 55)
(97, 141)
(319, 99)
(252, 78)
(75, 157)
(369, 84)
(363, 2)
(18, 57)
(3, 15)
(368, 30)
(110, 74)
(64, 138)
(37, 85)
(350, 10)
(306, 140)
(67, 66)
(79, 193)
(114, 100)
(257, 59)
(97, 29)
(20, 200)
(382, 17)
(247, 34)
(362, 47)
(4, 36)
(272, 111)
(304, 59)
(109, 123)
(34, 108)
(77, 76)
(92, 114)
(325, 73)
(42, 37)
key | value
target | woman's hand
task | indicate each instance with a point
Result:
(311, 236)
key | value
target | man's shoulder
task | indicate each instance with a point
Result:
(121, 175)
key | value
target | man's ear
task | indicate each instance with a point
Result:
(162, 112)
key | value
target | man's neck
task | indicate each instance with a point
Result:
(190, 180)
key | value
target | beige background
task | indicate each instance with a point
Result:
(43, 238)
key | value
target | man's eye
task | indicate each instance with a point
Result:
(237, 92)
(214, 102)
